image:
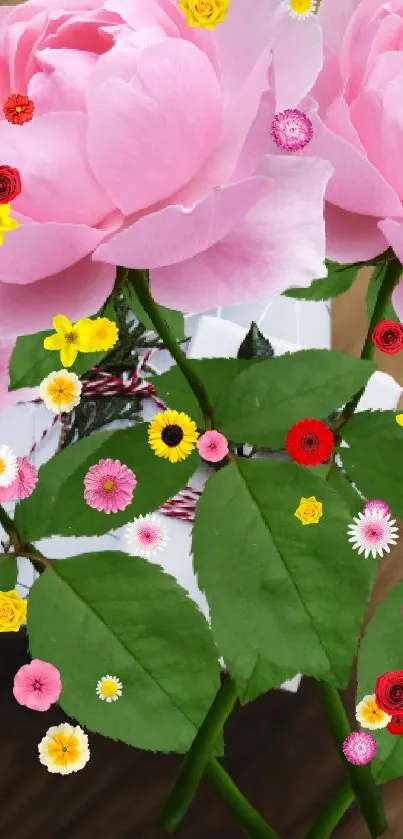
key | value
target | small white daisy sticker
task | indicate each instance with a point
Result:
(145, 536)
(300, 9)
(373, 532)
(8, 466)
(109, 688)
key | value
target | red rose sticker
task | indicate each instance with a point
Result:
(389, 692)
(309, 442)
(388, 336)
(10, 184)
(396, 724)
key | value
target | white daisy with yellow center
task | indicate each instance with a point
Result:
(8, 466)
(109, 688)
(60, 391)
(64, 749)
(300, 9)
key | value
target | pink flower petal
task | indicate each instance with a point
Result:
(279, 244)
(176, 233)
(60, 185)
(356, 185)
(351, 237)
(30, 308)
(161, 126)
(298, 58)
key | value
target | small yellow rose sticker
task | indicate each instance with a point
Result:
(205, 13)
(399, 419)
(309, 510)
(13, 611)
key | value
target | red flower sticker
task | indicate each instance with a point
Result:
(10, 184)
(18, 109)
(309, 442)
(396, 724)
(388, 336)
(389, 692)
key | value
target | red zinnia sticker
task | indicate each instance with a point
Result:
(18, 109)
(309, 442)
(396, 724)
(10, 184)
(388, 336)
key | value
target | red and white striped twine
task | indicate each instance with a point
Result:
(183, 505)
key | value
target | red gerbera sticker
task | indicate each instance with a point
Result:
(309, 442)
(18, 109)
(396, 724)
(388, 336)
(10, 184)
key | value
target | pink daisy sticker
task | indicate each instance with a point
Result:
(145, 536)
(212, 446)
(359, 748)
(291, 130)
(373, 532)
(23, 484)
(109, 486)
(377, 504)
(37, 685)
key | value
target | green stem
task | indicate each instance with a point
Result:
(198, 757)
(332, 813)
(9, 526)
(392, 276)
(139, 282)
(365, 790)
(252, 822)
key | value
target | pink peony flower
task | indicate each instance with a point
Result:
(159, 154)
(23, 485)
(355, 111)
(37, 685)
(212, 446)
(109, 486)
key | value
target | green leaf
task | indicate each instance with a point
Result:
(376, 469)
(271, 582)
(215, 373)
(57, 506)
(263, 402)
(108, 613)
(8, 572)
(368, 424)
(381, 652)
(344, 488)
(374, 288)
(255, 345)
(173, 319)
(340, 278)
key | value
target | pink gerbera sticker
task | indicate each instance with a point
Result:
(109, 486)
(373, 532)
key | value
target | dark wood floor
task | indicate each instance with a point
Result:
(278, 751)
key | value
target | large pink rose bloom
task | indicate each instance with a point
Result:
(150, 147)
(356, 108)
